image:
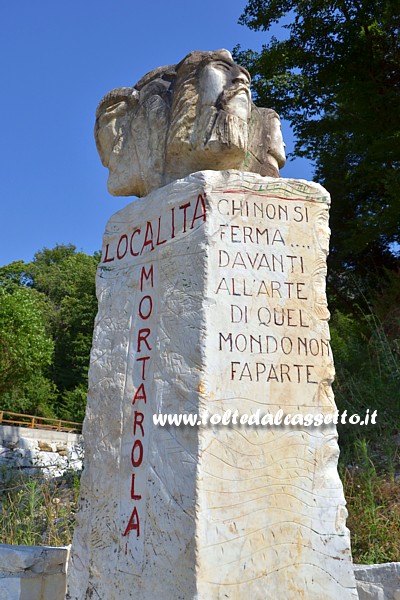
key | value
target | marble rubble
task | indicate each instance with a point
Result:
(52, 453)
(211, 300)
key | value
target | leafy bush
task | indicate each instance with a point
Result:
(367, 375)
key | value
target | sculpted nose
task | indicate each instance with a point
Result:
(241, 79)
(239, 76)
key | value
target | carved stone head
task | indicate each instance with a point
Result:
(183, 118)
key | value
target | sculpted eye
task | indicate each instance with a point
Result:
(115, 110)
(223, 66)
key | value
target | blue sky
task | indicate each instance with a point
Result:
(58, 60)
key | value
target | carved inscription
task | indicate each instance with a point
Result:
(269, 271)
(272, 515)
(142, 239)
(144, 344)
(139, 248)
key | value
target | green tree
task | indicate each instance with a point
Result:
(26, 351)
(67, 278)
(64, 280)
(336, 78)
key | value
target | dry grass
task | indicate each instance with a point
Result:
(37, 511)
(373, 502)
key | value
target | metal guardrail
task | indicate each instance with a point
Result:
(33, 422)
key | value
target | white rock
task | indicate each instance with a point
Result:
(383, 580)
(32, 572)
(10, 588)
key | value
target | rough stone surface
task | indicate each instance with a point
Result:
(52, 453)
(369, 591)
(184, 118)
(33, 572)
(212, 297)
(10, 588)
(378, 582)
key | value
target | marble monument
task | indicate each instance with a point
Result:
(212, 310)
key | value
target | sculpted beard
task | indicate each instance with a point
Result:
(219, 124)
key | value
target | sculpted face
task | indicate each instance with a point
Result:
(210, 114)
(112, 127)
(129, 131)
(277, 144)
(183, 118)
(226, 85)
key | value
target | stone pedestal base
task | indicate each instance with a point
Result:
(212, 302)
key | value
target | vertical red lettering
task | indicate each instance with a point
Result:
(143, 359)
(140, 394)
(133, 523)
(146, 276)
(145, 315)
(138, 421)
(133, 495)
(143, 334)
(136, 462)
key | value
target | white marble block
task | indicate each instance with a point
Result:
(212, 298)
